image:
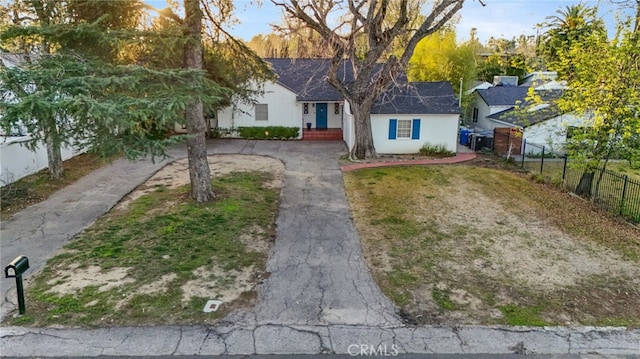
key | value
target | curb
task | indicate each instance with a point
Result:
(460, 157)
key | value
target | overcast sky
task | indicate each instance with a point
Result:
(499, 18)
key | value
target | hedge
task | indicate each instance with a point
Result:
(269, 133)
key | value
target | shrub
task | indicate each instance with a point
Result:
(269, 133)
(435, 150)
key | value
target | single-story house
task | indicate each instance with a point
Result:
(403, 119)
(543, 124)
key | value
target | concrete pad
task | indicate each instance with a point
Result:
(240, 342)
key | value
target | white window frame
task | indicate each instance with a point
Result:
(403, 132)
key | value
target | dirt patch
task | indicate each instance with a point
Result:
(93, 276)
(216, 283)
(528, 249)
(209, 281)
(176, 174)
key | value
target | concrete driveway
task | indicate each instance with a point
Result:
(318, 275)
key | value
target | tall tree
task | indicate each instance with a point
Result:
(438, 57)
(575, 25)
(605, 88)
(199, 172)
(96, 104)
(50, 23)
(342, 26)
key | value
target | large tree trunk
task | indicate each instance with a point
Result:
(363, 147)
(199, 172)
(54, 154)
(584, 186)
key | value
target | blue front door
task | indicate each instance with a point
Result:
(321, 115)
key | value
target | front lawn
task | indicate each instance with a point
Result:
(470, 245)
(158, 258)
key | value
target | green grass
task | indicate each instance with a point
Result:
(519, 315)
(606, 191)
(404, 215)
(159, 234)
(441, 297)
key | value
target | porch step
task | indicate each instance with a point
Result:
(328, 134)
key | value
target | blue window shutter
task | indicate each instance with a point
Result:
(393, 127)
(415, 129)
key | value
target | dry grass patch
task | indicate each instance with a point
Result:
(463, 244)
(159, 257)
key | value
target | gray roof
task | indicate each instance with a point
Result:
(418, 98)
(503, 95)
(307, 78)
(524, 118)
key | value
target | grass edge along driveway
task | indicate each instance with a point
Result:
(160, 259)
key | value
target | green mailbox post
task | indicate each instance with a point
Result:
(15, 269)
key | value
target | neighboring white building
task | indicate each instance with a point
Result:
(16, 160)
(416, 113)
(492, 100)
(543, 125)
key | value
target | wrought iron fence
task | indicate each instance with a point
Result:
(613, 191)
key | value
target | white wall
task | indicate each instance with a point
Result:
(333, 120)
(434, 130)
(283, 110)
(348, 128)
(552, 133)
(16, 161)
(486, 124)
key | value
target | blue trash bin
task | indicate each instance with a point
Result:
(464, 137)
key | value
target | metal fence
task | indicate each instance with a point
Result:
(613, 191)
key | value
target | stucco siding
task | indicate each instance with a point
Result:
(283, 110)
(17, 161)
(434, 130)
(552, 133)
(348, 130)
(486, 124)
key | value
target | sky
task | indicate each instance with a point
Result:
(499, 18)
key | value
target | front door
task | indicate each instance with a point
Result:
(321, 115)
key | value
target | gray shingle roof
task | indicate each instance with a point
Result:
(524, 118)
(418, 98)
(307, 78)
(503, 95)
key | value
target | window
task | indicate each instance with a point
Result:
(404, 129)
(336, 109)
(475, 114)
(305, 108)
(262, 112)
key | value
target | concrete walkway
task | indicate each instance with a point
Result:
(320, 297)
